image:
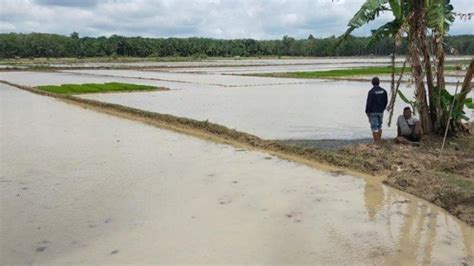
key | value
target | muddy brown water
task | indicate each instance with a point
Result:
(80, 187)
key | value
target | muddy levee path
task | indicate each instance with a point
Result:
(80, 186)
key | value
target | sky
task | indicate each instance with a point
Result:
(220, 19)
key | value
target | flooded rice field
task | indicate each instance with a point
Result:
(268, 68)
(451, 79)
(57, 78)
(271, 108)
(320, 110)
(207, 79)
(80, 187)
(237, 61)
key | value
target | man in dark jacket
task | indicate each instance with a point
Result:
(376, 102)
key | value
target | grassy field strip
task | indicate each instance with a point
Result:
(98, 88)
(337, 73)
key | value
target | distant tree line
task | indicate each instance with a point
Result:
(52, 45)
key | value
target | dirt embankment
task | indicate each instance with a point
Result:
(447, 180)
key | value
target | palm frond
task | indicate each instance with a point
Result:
(367, 12)
(390, 29)
(396, 8)
(440, 16)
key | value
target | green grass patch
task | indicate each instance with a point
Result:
(97, 88)
(338, 72)
(456, 180)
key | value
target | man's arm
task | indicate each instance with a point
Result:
(385, 100)
(399, 131)
(369, 103)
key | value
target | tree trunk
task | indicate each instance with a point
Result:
(440, 55)
(429, 75)
(465, 90)
(456, 126)
(466, 85)
(415, 43)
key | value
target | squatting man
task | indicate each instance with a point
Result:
(408, 128)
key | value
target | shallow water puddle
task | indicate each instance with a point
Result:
(84, 187)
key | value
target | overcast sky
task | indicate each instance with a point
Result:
(223, 19)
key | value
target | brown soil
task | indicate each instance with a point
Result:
(447, 180)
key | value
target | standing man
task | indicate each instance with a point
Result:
(376, 102)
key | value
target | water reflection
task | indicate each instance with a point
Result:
(420, 232)
(373, 198)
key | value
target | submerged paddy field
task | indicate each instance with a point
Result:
(151, 180)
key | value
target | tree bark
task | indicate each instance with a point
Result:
(429, 74)
(466, 85)
(456, 126)
(415, 41)
(465, 89)
(440, 55)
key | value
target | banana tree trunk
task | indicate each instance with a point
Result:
(415, 42)
(429, 76)
(465, 90)
(467, 83)
(440, 55)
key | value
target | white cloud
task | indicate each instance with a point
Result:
(264, 19)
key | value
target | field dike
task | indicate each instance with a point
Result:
(401, 169)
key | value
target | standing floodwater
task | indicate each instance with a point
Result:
(83, 187)
(271, 108)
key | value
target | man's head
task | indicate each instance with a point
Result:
(375, 81)
(407, 112)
